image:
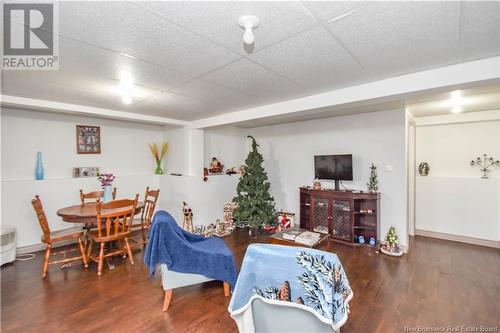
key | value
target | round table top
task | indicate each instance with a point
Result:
(86, 213)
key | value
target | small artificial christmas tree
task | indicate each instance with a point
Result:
(255, 204)
(391, 245)
(392, 238)
(373, 182)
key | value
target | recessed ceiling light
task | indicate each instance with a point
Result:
(456, 109)
(127, 100)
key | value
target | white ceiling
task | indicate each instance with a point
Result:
(188, 60)
(473, 99)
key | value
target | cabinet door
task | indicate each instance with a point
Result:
(341, 220)
(305, 211)
(320, 214)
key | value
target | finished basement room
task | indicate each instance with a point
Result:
(250, 166)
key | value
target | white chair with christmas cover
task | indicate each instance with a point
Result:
(277, 318)
(290, 289)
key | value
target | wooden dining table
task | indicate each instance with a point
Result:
(86, 214)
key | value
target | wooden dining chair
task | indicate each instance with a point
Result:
(50, 238)
(94, 195)
(114, 220)
(144, 223)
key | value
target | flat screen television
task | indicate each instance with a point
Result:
(334, 167)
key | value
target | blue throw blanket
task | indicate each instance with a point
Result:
(184, 252)
(291, 276)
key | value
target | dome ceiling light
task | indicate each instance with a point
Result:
(249, 23)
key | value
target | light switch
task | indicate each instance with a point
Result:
(389, 168)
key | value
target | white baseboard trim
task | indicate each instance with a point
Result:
(457, 238)
(41, 247)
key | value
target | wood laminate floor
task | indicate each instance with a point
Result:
(439, 283)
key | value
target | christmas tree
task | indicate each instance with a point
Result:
(391, 246)
(373, 182)
(255, 204)
(392, 238)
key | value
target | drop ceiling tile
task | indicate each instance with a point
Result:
(125, 27)
(184, 107)
(208, 91)
(219, 20)
(89, 91)
(327, 10)
(480, 29)
(314, 59)
(80, 89)
(158, 110)
(391, 38)
(80, 58)
(248, 77)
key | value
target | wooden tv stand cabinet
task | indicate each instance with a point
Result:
(345, 214)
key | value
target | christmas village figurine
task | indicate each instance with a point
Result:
(391, 244)
(218, 229)
(188, 217)
(216, 167)
(228, 213)
(242, 170)
(373, 182)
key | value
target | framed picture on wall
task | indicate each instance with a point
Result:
(88, 139)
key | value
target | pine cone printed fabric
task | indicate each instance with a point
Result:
(284, 293)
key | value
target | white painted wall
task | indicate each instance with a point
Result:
(459, 206)
(205, 198)
(411, 177)
(227, 143)
(199, 146)
(449, 148)
(453, 199)
(23, 133)
(377, 137)
(177, 157)
(124, 149)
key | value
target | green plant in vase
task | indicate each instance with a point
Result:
(158, 154)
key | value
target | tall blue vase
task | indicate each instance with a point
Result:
(108, 196)
(39, 167)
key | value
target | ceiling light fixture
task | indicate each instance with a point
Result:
(456, 98)
(249, 23)
(127, 100)
(456, 101)
(126, 87)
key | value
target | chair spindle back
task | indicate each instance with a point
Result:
(150, 199)
(42, 218)
(94, 195)
(115, 217)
